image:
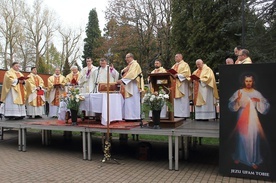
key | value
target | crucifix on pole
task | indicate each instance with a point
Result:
(107, 143)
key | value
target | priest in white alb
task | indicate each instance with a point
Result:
(35, 95)
(205, 92)
(14, 93)
(100, 75)
(159, 69)
(132, 84)
(86, 78)
(56, 84)
(181, 88)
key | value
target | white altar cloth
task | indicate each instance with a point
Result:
(97, 103)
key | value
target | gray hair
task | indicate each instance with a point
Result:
(245, 52)
(130, 55)
(73, 67)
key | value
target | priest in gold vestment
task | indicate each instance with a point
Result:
(56, 84)
(35, 95)
(243, 57)
(132, 84)
(159, 69)
(205, 92)
(74, 77)
(13, 93)
(181, 87)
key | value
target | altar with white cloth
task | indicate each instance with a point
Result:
(97, 103)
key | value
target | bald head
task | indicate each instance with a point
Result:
(199, 63)
(178, 57)
(229, 61)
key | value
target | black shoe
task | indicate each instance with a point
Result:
(37, 117)
(9, 117)
(156, 127)
(132, 120)
(18, 118)
(202, 119)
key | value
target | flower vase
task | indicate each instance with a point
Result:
(156, 118)
(74, 117)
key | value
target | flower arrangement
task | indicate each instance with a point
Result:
(155, 101)
(72, 98)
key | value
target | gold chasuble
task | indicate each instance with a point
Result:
(132, 72)
(18, 92)
(206, 76)
(159, 70)
(72, 78)
(55, 85)
(33, 96)
(245, 61)
(184, 69)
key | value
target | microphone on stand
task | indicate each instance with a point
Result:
(96, 83)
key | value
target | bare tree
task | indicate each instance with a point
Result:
(70, 44)
(151, 19)
(9, 27)
(40, 25)
(265, 9)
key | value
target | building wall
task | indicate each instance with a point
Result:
(43, 76)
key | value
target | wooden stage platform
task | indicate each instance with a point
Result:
(187, 129)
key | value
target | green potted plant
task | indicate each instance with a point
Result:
(73, 100)
(154, 102)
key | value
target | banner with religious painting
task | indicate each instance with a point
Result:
(248, 121)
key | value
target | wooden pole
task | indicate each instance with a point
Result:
(107, 98)
(107, 144)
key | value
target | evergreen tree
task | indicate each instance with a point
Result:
(42, 67)
(206, 29)
(66, 68)
(54, 58)
(93, 35)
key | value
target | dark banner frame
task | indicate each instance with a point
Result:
(248, 134)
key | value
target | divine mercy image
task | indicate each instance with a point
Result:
(248, 103)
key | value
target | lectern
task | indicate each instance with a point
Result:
(165, 80)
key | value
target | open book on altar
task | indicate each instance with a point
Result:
(23, 78)
(194, 77)
(172, 71)
(113, 87)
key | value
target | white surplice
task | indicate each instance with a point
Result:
(100, 76)
(131, 109)
(182, 105)
(208, 110)
(86, 80)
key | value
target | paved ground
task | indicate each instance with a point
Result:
(62, 162)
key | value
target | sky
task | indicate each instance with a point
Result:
(75, 12)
